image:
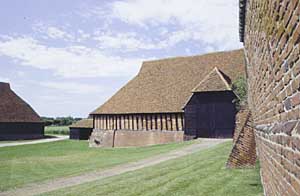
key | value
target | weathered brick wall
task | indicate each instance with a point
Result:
(271, 39)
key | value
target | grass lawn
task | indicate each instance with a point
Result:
(201, 173)
(57, 130)
(20, 165)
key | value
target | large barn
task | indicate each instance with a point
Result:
(17, 119)
(170, 98)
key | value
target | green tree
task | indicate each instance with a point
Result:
(239, 87)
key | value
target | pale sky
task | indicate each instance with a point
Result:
(67, 57)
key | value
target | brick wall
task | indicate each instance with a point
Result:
(271, 40)
(243, 153)
(125, 138)
(240, 121)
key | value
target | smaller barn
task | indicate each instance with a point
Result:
(81, 130)
(17, 118)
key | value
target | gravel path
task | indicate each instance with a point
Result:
(35, 189)
(38, 141)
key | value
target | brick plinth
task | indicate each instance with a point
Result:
(125, 138)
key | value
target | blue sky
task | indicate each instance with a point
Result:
(66, 57)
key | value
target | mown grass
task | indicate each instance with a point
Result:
(21, 165)
(57, 130)
(199, 174)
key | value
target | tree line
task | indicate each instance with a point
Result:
(59, 121)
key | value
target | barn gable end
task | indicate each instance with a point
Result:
(17, 119)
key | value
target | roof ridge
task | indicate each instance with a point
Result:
(196, 55)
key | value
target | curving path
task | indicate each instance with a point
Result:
(38, 141)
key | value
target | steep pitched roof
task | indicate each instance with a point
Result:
(84, 123)
(165, 85)
(13, 108)
(214, 81)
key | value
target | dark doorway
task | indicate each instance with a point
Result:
(210, 115)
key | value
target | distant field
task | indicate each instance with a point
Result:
(57, 130)
(199, 174)
(21, 165)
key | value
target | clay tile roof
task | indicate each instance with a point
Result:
(163, 86)
(13, 108)
(84, 123)
(214, 81)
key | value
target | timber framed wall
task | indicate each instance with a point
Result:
(135, 122)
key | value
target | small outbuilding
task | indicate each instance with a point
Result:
(81, 130)
(17, 118)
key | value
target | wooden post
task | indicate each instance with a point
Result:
(182, 121)
(122, 122)
(154, 122)
(117, 126)
(115, 122)
(179, 122)
(174, 122)
(158, 119)
(125, 122)
(104, 122)
(144, 122)
(140, 122)
(110, 122)
(98, 125)
(148, 121)
(97, 122)
(134, 121)
(164, 122)
(130, 122)
(119, 122)
(169, 123)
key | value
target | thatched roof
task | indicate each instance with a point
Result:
(84, 123)
(165, 85)
(214, 81)
(13, 108)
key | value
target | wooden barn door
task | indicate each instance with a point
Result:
(210, 115)
(224, 119)
(205, 121)
(216, 120)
